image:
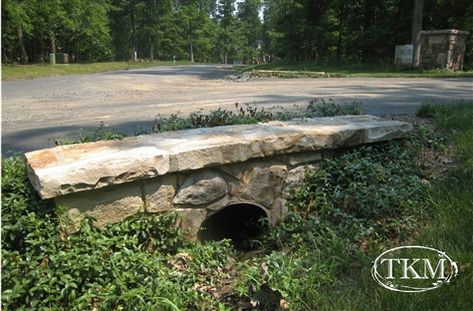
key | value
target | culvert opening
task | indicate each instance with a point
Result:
(241, 223)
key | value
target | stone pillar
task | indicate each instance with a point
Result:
(442, 49)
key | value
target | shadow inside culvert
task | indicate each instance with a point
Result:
(239, 222)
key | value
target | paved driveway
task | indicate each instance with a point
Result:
(35, 112)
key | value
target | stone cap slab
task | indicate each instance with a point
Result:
(69, 169)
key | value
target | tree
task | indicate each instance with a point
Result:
(416, 28)
(190, 17)
(203, 30)
(123, 25)
(86, 35)
(417, 19)
(229, 29)
(251, 28)
(16, 15)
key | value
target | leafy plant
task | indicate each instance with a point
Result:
(322, 108)
(124, 265)
(249, 114)
(102, 132)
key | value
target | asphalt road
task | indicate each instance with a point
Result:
(37, 112)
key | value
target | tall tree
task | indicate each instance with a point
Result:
(134, 52)
(149, 27)
(417, 19)
(416, 28)
(228, 28)
(86, 35)
(190, 15)
(16, 13)
(251, 29)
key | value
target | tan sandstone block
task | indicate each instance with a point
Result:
(108, 205)
(262, 184)
(159, 193)
(278, 211)
(295, 178)
(192, 219)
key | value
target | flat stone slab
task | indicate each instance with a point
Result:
(74, 168)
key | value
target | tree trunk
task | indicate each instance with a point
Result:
(340, 29)
(151, 50)
(191, 46)
(21, 45)
(191, 50)
(41, 50)
(416, 28)
(152, 20)
(52, 42)
(417, 19)
(368, 21)
(133, 31)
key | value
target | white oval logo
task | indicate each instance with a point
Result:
(413, 269)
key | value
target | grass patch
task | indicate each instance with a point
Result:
(21, 72)
(311, 70)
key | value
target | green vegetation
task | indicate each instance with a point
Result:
(311, 70)
(93, 30)
(249, 114)
(134, 264)
(448, 225)
(17, 72)
(355, 205)
(350, 32)
(342, 32)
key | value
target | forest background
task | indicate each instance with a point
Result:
(224, 31)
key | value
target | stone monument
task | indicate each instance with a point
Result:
(441, 49)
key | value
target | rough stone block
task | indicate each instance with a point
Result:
(278, 211)
(295, 178)
(303, 158)
(262, 183)
(159, 193)
(234, 170)
(202, 188)
(108, 205)
(192, 219)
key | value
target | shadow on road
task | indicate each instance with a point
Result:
(29, 140)
(201, 72)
